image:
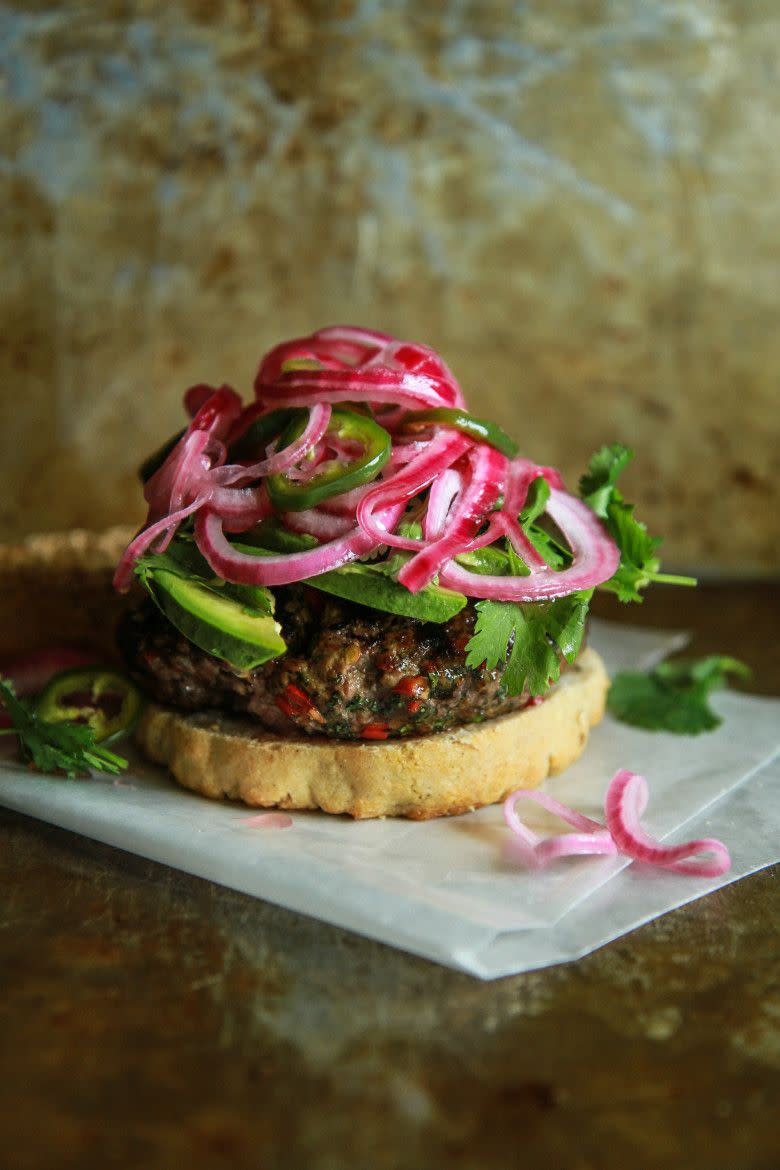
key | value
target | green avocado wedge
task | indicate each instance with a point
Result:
(218, 624)
(369, 586)
(183, 559)
(366, 584)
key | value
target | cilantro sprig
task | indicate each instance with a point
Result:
(674, 695)
(534, 639)
(639, 563)
(531, 638)
(55, 747)
(541, 537)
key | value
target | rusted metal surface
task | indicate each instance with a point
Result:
(150, 1018)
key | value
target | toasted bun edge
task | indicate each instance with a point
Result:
(420, 777)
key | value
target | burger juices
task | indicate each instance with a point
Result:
(354, 555)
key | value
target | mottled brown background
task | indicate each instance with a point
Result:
(578, 203)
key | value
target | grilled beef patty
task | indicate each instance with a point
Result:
(350, 672)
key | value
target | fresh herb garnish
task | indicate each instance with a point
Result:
(531, 519)
(535, 637)
(531, 639)
(673, 696)
(639, 564)
(395, 561)
(55, 747)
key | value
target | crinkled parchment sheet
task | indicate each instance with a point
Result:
(448, 889)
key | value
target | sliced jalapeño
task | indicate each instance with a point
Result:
(335, 477)
(467, 424)
(105, 699)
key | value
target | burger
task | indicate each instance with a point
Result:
(359, 597)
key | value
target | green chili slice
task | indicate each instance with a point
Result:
(105, 699)
(461, 420)
(288, 495)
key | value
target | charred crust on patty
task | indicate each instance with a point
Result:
(350, 672)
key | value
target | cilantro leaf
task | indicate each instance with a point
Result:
(530, 639)
(490, 560)
(673, 696)
(532, 522)
(55, 747)
(598, 482)
(535, 500)
(396, 560)
(516, 565)
(639, 564)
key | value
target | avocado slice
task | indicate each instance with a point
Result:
(183, 559)
(217, 623)
(369, 586)
(366, 584)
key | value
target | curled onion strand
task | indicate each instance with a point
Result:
(464, 492)
(624, 804)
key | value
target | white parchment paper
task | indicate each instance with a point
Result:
(449, 889)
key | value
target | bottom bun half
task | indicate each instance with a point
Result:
(437, 775)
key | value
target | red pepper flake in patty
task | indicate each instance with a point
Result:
(413, 706)
(296, 704)
(374, 731)
(414, 686)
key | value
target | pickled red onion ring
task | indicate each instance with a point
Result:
(520, 475)
(142, 541)
(399, 388)
(355, 334)
(180, 476)
(443, 491)
(488, 472)
(336, 345)
(536, 851)
(596, 558)
(268, 820)
(502, 524)
(348, 347)
(196, 397)
(385, 377)
(316, 522)
(436, 457)
(165, 491)
(283, 568)
(625, 801)
(240, 508)
(347, 502)
(279, 461)
(404, 452)
(218, 413)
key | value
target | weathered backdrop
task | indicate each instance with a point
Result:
(579, 204)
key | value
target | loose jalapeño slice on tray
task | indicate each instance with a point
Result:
(107, 700)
